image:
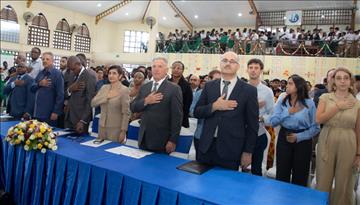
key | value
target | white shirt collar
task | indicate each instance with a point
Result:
(82, 70)
(232, 81)
(159, 82)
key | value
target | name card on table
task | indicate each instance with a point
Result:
(92, 144)
(129, 152)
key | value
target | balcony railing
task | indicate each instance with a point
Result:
(324, 48)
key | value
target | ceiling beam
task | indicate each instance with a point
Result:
(182, 16)
(147, 8)
(110, 10)
(28, 3)
(256, 13)
(353, 14)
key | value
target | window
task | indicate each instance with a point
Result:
(62, 35)
(10, 29)
(136, 42)
(9, 57)
(57, 61)
(82, 39)
(38, 31)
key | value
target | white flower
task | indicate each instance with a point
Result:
(52, 141)
(35, 147)
(16, 130)
(50, 146)
(26, 148)
(30, 130)
(32, 137)
(8, 139)
(21, 137)
(22, 125)
(43, 150)
(54, 148)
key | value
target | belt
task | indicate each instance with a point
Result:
(292, 130)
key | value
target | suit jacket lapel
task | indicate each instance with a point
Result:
(217, 88)
(236, 91)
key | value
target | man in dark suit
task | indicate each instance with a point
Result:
(231, 112)
(79, 112)
(21, 99)
(161, 103)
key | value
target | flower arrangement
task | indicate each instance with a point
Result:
(33, 135)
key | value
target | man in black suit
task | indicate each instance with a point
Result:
(160, 101)
(79, 112)
(231, 112)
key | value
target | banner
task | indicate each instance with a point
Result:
(293, 18)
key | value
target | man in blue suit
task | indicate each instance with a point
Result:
(49, 91)
(21, 98)
(231, 112)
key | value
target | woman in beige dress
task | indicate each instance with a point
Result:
(114, 102)
(338, 153)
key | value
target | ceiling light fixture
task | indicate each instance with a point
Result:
(196, 16)
(126, 14)
(164, 18)
(98, 5)
(239, 14)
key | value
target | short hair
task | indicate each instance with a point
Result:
(82, 58)
(276, 80)
(37, 48)
(49, 53)
(256, 61)
(118, 69)
(237, 56)
(179, 62)
(74, 60)
(65, 57)
(160, 58)
(213, 72)
(357, 77)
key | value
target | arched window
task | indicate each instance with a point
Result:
(62, 35)
(82, 39)
(39, 32)
(10, 29)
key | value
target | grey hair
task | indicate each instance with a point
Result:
(160, 58)
(49, 54)
(237, 56)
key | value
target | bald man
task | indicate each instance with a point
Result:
(230, 111)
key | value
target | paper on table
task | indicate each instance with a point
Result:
(5, 116)
(91, 143)
(130, 152)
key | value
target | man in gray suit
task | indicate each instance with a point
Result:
(160, 101)
(79, 112)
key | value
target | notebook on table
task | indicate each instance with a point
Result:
(194, 167)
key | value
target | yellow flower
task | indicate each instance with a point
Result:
(39, 146)
(46, 143)
(20, 132)
(38, 135)
(32, 126)
(27, 142)
(17, 141)
(42, 129)
(49, 130)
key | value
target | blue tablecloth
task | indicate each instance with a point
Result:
(77, 174)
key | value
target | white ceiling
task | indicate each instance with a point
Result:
(210, 13)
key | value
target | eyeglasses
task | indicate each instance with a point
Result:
(344, 78)
(225, 61)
